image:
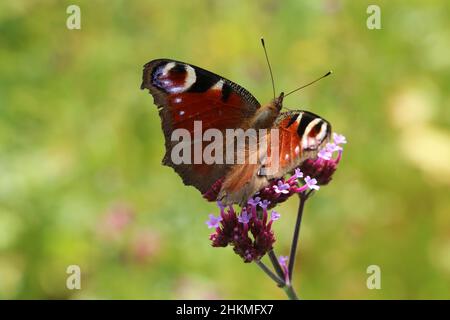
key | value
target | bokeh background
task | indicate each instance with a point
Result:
(81, 180)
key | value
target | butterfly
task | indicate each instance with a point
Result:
(185, 94)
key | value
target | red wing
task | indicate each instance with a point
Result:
(186, 93)
(300, 134)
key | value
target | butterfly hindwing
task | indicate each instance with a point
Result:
(300, 135)
(185, 94)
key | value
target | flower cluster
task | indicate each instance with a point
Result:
(249, 232)
(325, 165)
(279, 190)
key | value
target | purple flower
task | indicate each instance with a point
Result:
(275, 215)
(332, 147)
(339, 138)
(282, 187)
(213, 221)
(283, 261)
(273, 194)
(254, 201)
(311, 183)
(284, 265)
(298, 173)
(325, 154)
(264, 204)
(244, 216)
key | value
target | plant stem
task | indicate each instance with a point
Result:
(279, 281)
(276, 264)
(298, 223)
(290, 292)
(280, 278)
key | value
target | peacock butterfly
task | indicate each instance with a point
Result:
(187, 95)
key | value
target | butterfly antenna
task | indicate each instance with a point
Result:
(308, 84)
(268, 64)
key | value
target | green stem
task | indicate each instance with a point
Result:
(279, 281)
(288, 289)
(296, 234)
(284, 280)
(290, 292)
(276, 264)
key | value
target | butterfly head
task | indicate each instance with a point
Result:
(278, 102)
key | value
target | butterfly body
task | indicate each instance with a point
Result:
(187, 95)
(266, 115)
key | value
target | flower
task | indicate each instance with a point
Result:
(297, 173)
(273, 194)
(244, 216)
(264, 204)
(311, 183)
(281, 187)
(213, 222)
(324, 154)
(282, 260)
(254, 202)
(339, 138)
(275, 215)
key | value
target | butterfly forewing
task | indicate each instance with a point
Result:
(185, 94)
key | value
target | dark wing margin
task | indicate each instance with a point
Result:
(230, 85)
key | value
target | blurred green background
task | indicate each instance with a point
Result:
(81, 180)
